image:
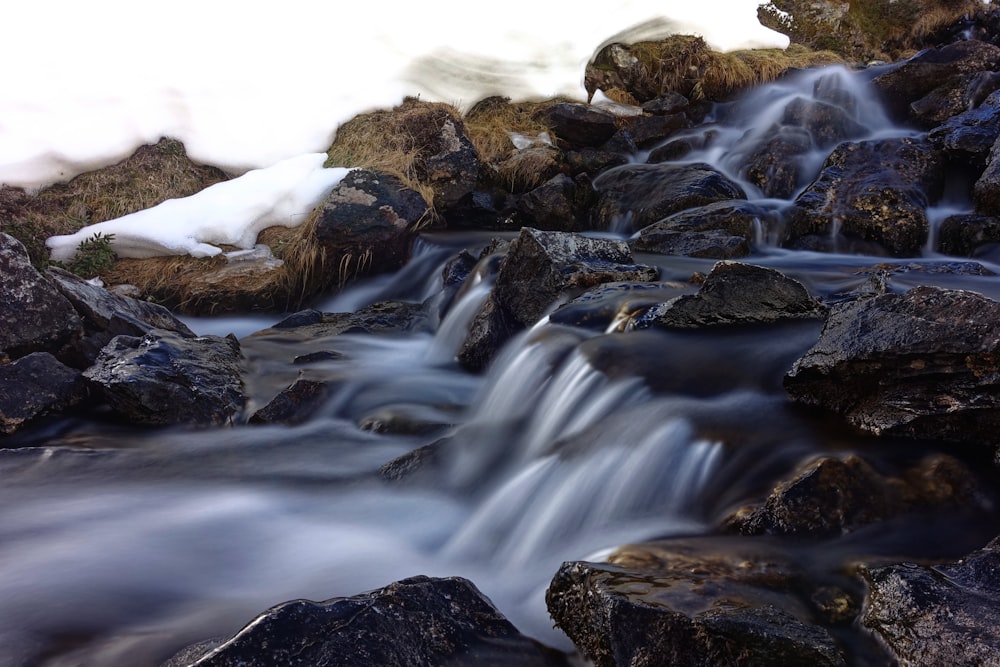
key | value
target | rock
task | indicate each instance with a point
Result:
(721, 230)
(163, 378)
(710, 244)
(963, 234)
(831, 496)
(944, 614)
(107, 314)
(647, 131)
(579, 125)
(542, 266)
(667, 103)
(970, 135)
(876, 190)
(672, 603)
(416, 621)
(599, 307)
(383, 316)
(774, 165)
(986, 190)
(34, 315)
(366, 225)
(561, 204)
(539, 268)
(647, 193)
(934, 71)
(735, 293)
(35, 385)
(922, 364)
(295, 404)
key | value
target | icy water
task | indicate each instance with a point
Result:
(120, 546)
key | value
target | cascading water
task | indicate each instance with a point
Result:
(119, 546)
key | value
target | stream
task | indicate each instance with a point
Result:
(120, 546)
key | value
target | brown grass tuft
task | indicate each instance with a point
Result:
(490, 122)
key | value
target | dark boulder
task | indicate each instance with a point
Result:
(295, 404)
(986, 190)
(963, 234)
(775, 164)
(601, 306)
(366, 225)
(646, 131)
(935, 71)
(671, 603)
(875, 190)
(644, 193)
(735, 293)
(920, 364)
(667, 103)
(539, 268)
(163, 378)
(709, 244)
(34, 315)
(831, 496)
(944, 614)
(381, 317)
(36, 385)
(969, 136)
(416, 621)
(721, 230)
(560, 204)
(579, 125)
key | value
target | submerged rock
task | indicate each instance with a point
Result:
(669, 603)
(163, 378)
(922, 364)
(735, 293)
(416, 621)
(944, 614)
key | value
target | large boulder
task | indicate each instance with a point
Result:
(366, 225)
(969, 136)
(34, 315)
(921, 364)
(163, 378)
(721, 230)
(875, 190)
(645, 193)
(672, 603)
(579, 125)
(943, 614)
(735, 293)
(416, 621)
(963, 234)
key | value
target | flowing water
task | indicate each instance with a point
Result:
(119, 546)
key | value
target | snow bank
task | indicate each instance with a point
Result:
(232, 212)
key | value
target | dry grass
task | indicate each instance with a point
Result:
(148, 177)
(393, 141)
(489, 123)
(731, 73)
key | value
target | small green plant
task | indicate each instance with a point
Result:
(93, 256)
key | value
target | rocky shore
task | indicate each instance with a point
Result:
(903, 365)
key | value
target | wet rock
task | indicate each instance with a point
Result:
(671, 603)
(599, 307)
(831, 496)
(561, 204)
(647, 193)
(735, 293)
(935, 71)
(876, 190)
(963, 234)
(986, 190)
(367, 224)
(407, 419)
(416, 621)
(542, 266)
(295, 404)
(163, 378)
(34, 315)
(381, 317)
(944, 614)
(420, 460)
(579, 125)
(970, 135)
(921, 364)
(710, 244)
(35, 385)
(106, 314)
(667, 103)
(647, 131)
(539, 268)
(775, 165)
(593, 160)
(721, 230)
